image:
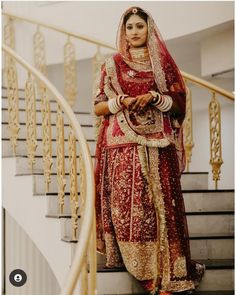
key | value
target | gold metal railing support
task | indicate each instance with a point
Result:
(215, 138)
(70, 74)
(13, 103)
(39, 51)
(188, 128)
(61, 181)
(30, 108)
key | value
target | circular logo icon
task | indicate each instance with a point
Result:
(18, 277)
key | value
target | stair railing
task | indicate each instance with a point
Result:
(70, 87)
(82, 209)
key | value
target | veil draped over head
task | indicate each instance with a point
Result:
(166, 72)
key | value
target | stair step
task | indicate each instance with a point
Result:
(87, 129)
(21, 149)
(84, 118)
(212, 248)
(211, 223)
(194, 181)
(22, 103)
(205, 200)
(218, 276)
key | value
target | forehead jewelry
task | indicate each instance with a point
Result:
(134, 10)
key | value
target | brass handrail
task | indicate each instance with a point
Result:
(88, 218)
(210, 86)
(193, 79)
(59, 30)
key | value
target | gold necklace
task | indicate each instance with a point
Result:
(140, 54)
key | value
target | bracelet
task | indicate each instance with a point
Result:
(121, 98)
(156, 97)
(114, 106)
(166, 104)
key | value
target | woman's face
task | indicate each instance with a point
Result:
(136, 31)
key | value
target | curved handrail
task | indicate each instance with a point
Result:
(59, 30)
(193, 79)
(210, 86)
(86, 227)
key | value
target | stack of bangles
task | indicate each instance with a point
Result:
(162, 102)
(115, 104)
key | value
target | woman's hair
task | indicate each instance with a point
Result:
(139, 12)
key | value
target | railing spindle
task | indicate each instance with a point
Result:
(47, 136)
(70, 74)
(73, 183)
(188, 128)
(60, 160)
(215, 138)
(30, 108)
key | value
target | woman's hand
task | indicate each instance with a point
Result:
(128, 101)
(142, 101)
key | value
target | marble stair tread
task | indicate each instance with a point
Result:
(210, 264)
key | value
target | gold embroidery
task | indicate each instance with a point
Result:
(134, 137)
(180, 267)
(112, 252)
(136, 255)
(178, 286)
(164, 258)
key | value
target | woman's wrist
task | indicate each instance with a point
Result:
(162, 102)
(115, 104)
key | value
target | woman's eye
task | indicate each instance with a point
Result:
(129, 28)
(140, 27)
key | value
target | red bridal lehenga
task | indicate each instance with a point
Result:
(140, 212)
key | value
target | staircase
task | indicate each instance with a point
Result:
(209, 213)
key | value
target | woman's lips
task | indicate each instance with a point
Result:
(135, 38)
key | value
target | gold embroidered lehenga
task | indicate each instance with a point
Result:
(140, 213)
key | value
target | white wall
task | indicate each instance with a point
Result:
(22, 253)
(29, 212)
(217, 54)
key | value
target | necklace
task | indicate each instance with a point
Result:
(140, 54)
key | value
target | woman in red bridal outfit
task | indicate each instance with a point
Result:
(140, 213)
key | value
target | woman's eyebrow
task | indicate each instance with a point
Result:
(134, 23)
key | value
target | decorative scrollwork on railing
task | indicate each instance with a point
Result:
(215, 138)
(30, 108)
(60, 160)
(9, 39)
(70, 75)
(40, 52)
(13, 104)
(188, 128)
(47, 136)
(73, 183)
(9, 34)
